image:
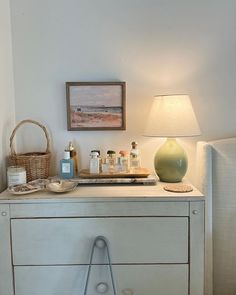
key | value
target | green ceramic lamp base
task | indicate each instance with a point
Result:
(171, 161)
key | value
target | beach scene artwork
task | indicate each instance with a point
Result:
(96, 106)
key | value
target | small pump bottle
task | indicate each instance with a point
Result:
(67, 166)
(94, 165)
(73, 156)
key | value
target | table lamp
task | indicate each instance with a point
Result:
(171, 116)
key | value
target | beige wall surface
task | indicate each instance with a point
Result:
(156, 46)
(7, 114)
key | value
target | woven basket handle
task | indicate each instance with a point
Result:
(13, 152)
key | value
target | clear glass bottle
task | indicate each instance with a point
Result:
(94, 165)
(100, 159)
(118, 165)
(124, 156)
(135, 162)
(111, 160)
(105, 165)
(67, 166)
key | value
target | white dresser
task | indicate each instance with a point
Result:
(156, 240)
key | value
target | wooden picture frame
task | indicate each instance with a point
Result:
(95, 105)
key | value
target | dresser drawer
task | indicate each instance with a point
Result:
(129, 279)
(69, 240)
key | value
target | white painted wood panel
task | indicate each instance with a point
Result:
(69, 240)
(130, 279)
(148, 208)
(6, 280)
(197, 248)
(105, 193)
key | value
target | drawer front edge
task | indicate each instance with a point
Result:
(80, 209)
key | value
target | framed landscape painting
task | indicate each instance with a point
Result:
(95, 105)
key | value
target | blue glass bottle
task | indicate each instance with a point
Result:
(67, 166)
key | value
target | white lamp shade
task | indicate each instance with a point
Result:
(172, 116)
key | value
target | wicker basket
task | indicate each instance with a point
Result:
(35, 163)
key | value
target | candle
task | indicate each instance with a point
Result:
(16, 175)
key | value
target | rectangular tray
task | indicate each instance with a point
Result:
(150, 180)
(138, 173)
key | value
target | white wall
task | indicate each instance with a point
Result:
(156, 46)
(6, 87)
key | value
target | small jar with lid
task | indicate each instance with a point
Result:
(16, 175)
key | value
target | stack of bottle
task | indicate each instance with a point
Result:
(124, 162)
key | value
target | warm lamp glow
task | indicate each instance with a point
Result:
(172, 116)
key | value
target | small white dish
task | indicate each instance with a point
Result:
(28, 188)
(61, 186)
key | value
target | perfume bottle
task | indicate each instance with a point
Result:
(118, 165)
(111, 160)
(134, 156)
(124, 157)
(105, 166)
(100, 159)
(67, 166)
(94, 165)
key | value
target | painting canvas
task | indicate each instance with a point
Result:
(95, 105)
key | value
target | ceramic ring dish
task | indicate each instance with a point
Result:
(61, 186)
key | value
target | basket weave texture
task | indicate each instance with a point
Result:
(36, 163)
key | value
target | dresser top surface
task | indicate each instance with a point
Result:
(96, 193)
